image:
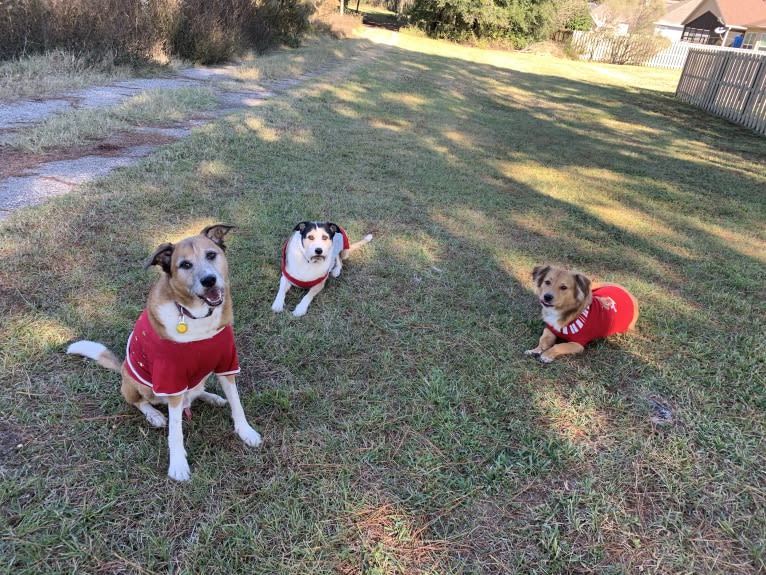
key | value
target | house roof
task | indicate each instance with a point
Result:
(742, 12)
(677, 14)
(731, 12)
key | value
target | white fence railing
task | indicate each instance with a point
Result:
(728, 83)
(604, 48)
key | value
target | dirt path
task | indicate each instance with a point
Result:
(28, 178)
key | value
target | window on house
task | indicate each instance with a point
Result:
(749, 41)
(695, 35)
(761, 45)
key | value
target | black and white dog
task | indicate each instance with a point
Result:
(313, 252)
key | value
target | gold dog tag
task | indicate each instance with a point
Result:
(181, 327)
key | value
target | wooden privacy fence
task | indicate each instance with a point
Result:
(728, 83)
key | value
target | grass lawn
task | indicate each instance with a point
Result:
(58, 71)
(404, 429)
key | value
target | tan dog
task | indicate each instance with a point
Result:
(184, 334)
(577, 312)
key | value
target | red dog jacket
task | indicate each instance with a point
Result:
(170, 367)
(611, 312)
(311, 283)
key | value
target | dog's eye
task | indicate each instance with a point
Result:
(311, 238)
(547, 282)
(563, 288)
(211, 255)
(185, 265)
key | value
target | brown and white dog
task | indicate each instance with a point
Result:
(184, 334)
(577, 312)
(313, 252)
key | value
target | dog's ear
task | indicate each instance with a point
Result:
(162, 257)
(539, 273)
(582, 287)
(301, 226)
(332, 228)
(216, 233)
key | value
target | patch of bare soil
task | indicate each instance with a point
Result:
(17, 162)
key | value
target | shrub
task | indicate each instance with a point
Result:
(116, 27)
(517, 21)
(327, 18)
(199, 30)
(633, 49)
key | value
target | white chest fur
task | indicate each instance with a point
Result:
(196, 329)
(551, 317)
(299, 267)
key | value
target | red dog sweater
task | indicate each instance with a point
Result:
(170, 367)
(610, 312)
(311, 283)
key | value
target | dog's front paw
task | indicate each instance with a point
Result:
(534, 352)
(179, 469)
(277, 307)
(155, 418)
(250, 436)
(335, 272)
(544, 358)
(300, 310)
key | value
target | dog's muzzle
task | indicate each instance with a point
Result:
(213, 295)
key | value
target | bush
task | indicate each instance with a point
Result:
(116, 27)
(517, 21)
(328, 19)
(633, 49)
(199, 30)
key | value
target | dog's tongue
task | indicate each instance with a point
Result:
(213, 296)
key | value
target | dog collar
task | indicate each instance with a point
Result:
(181, 326)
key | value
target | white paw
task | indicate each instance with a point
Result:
(531, 352)
(250, 436)
(216, 400)
(545, 359)
(179, 469)
(277, 307)
(156, 419)
(300, 310)
(336, 271)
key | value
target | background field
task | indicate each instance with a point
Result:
(405, 431)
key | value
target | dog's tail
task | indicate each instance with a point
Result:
(365, 240)
(97, 352)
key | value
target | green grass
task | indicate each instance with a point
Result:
(56, 72)
(314, 53)
(75, 127)
(405, 431)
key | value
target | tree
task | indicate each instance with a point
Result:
(639, 15)
(517, 21)
(573, 15)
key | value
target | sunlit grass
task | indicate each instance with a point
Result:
(154, 107)
(52, 73)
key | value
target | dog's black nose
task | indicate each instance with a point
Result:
(208, 281)
(548, 298)
(318, 251)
